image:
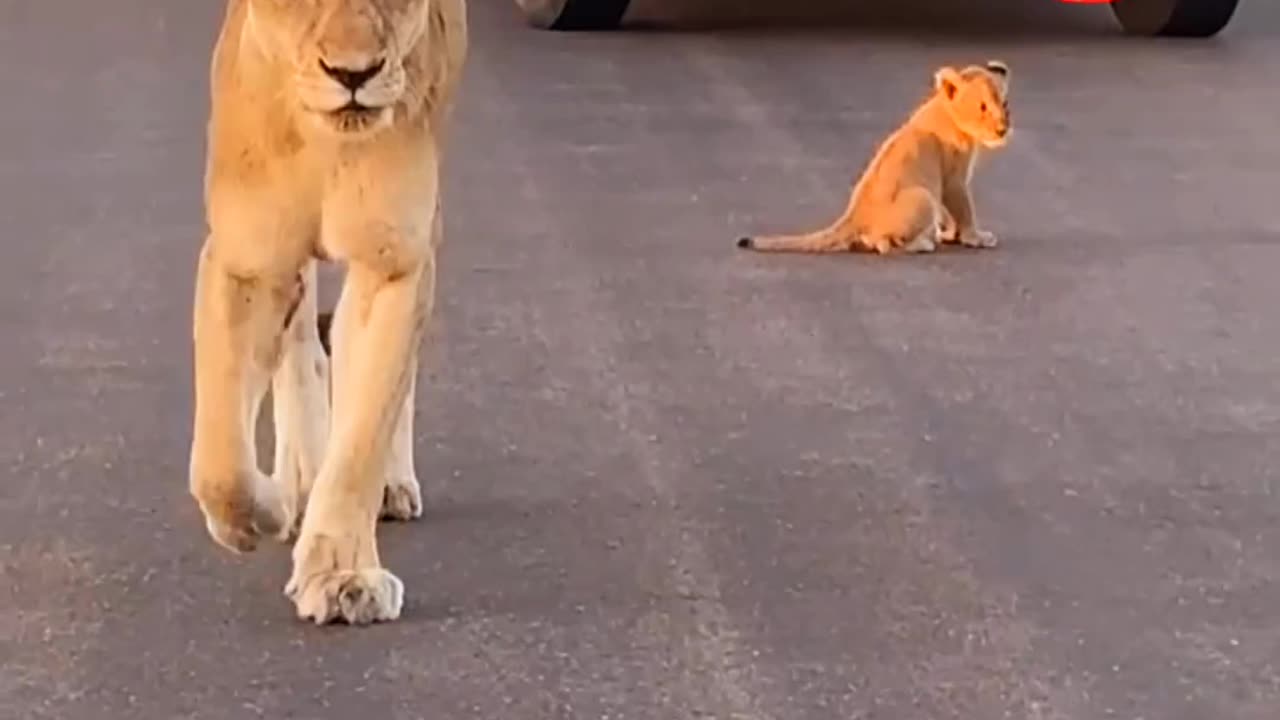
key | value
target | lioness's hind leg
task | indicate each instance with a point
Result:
(238, 321)
(402, 499)
(300, 405)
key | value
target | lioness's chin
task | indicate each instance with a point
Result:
(996, 142)
(353, 123)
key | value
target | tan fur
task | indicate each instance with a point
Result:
(293, 177)
(915, 192)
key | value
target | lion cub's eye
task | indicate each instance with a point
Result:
(984, 107)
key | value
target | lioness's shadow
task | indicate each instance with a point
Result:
(522, 558)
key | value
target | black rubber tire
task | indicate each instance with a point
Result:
(1174, 18)
(574, 14)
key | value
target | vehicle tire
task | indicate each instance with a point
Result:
(1174, 18)
(574, 14)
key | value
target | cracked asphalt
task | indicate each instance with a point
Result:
(667, 479)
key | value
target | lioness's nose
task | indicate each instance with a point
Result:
(349, 78)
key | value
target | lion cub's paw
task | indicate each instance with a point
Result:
(979, 239)
(402, 500)
(878, 244)
(920, 244)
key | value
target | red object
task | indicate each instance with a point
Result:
(1087, 2)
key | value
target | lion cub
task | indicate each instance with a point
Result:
(915, 191)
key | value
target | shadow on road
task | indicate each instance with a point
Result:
(917, 18)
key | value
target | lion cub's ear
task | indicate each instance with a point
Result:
(1001, 71)
(947, 81)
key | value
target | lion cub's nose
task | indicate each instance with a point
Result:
(350, 78)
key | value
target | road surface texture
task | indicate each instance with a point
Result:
(668, 479)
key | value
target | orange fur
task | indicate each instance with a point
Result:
(325, 140)
(915, 191)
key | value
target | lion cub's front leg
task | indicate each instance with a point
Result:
(337, 574)
(958, 201)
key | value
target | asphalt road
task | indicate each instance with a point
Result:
(667, 479)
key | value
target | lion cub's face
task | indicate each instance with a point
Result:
(977, 98)
(347, 56)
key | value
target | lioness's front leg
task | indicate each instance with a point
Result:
(958, 200)
(240, 312)
(336, 570)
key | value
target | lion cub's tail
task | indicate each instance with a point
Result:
(828, 240)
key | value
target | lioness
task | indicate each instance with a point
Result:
(324, 143)
(915, 191)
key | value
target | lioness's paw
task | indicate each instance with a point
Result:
(979, 239)
(336, 578)
(356, 597)
(402, 500)
(238, 512)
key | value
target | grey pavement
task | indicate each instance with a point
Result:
(667, 479)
